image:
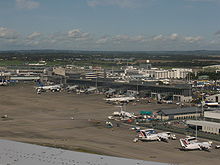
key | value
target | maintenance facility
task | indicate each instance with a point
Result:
(210, 124)
(205, 126)
(179, 113)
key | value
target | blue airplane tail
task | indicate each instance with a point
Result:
(39, 83)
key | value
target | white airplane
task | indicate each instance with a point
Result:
(72, 88)
(90, 89)
(53, 88)
(123, 114)
(110, 91)
(191, 143)
(3, 83)
(120, 99)
(127, 114)
(151, 135)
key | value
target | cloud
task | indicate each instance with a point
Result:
(53, 41)
(159, 37)
(213, 42)
(119, 3)
(32, 43)
(119, 38)
(173, 36)
(127, 38)
(193, 39)
(138, 38)
(8, 33)
(33, 35)
(217, 33)
(27, 4)
(78, 35)
(177, 37)
(12, 40)
(77, 39)
(102, 40)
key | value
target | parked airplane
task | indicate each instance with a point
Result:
(3, 83)
(110, 92)
(71, 88)
(53, 88)
(120, 99)
(151, 135)
(123, 114)
(90, 89)
(190, 143)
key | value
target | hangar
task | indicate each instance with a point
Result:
(205, 126)
(179, 113)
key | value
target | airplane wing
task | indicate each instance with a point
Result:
(205, 146)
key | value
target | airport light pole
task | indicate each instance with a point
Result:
(96, 83)
(1, 76)
(203, 102)
(196, 124)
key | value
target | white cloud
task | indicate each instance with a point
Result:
(78, 35)
(12, 40)
(76, 38)
(27, 4)
(119, 3)
(119, 38)
(173, 36)
(138, 38)
(213, 42)
(53, 41)
(193, 39)
(8, 33)
(159, 37)
(127, 38)
(102, 40)
(32, 43)
(33, 35)
(217, 33)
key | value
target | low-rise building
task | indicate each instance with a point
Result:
(179, 113)
(24, 78)
(205, 126)
(179, 73)
(213, 98)
(59, 71)
(182, 98)
(212, 115)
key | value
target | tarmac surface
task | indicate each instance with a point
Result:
(17, 153)
(46, 119)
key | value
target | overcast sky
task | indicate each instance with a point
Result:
(126, 25)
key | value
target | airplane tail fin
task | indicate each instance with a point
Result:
(39, 83)
(183, 143)
(142, 134)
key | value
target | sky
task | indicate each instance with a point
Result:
(110, 25)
